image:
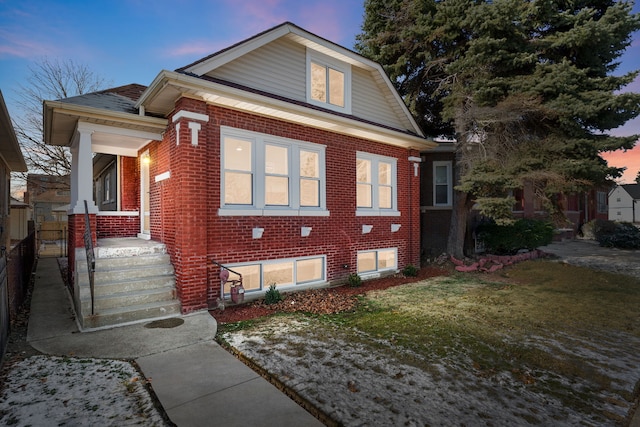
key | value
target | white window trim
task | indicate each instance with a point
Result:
(377, 271)
(343, 67)
(265, 286)
(375, 210)
(449, 166)
(259, 208)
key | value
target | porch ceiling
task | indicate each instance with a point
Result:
(113, 132)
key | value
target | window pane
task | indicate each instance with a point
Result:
(309, 164)
(318, 82)
(238, 188)
(250, 277)
(237, 154)
(441, 175)
(276, 190)
(280, 274)
(384, 197)
(384, 173)
(442, 195)
(366, 262)
(336, 87)
(386, 259)
(308, 270)
(276, 160)
(364, 195)
(309, 192)
(363, 170)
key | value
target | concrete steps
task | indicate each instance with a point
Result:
(133, 282)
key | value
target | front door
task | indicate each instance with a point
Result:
(145, 217)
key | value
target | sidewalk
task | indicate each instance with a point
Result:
(197, 382)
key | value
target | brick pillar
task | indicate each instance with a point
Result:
(189, 168)
(76, 241)
(414, 207)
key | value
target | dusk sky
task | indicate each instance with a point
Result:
(131, 41)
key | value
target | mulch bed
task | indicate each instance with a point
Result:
(320, 301)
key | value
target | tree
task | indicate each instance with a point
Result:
(527, 88)
(49, 80)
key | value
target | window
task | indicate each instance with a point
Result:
(258, 276)
(328, 82)
(377, 260)
(376, 192)
(267, 175)
(106, 193)
(602, 202)
(442, 184)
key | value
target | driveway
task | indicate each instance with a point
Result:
(588, 253)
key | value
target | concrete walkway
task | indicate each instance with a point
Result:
(197, 382)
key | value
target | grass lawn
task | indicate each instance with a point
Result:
(539, 342)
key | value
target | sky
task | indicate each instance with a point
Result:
(131, 41)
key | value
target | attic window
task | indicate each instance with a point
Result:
(328, 82)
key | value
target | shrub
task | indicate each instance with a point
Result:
(272, 296)
(509, 239)
(410, 271)
(354, 280)
(621, 235)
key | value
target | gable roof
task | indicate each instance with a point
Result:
(633, 190)
(10, 150)
(198, 80)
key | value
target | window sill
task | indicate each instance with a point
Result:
(377, 213)
(271, 212)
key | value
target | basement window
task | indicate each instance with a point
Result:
(284, 273)
(378, 260)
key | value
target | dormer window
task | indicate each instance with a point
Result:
(328, 82)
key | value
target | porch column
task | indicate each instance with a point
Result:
(82, 172)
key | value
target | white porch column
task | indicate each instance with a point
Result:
(82, 173)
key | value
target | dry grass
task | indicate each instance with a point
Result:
(564, 333)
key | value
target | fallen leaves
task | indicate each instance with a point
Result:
(319, 301)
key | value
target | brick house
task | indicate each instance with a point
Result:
(436, 203)
(286, 158)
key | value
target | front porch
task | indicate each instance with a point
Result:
(133, 281)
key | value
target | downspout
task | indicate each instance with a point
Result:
(415, 162)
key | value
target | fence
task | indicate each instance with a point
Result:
(4, 305)
(52, 239)
(15, 277)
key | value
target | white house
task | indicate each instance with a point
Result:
(624, 203)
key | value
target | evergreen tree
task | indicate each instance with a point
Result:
(526, 87)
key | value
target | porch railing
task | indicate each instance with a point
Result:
(88, 246)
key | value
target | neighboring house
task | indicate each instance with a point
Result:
(436, 203)
(624, 203)
(11, 160)
(285, 157)
(45, 193)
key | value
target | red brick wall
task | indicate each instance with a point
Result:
(117, 226)
(129, 184)
(185, 207)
